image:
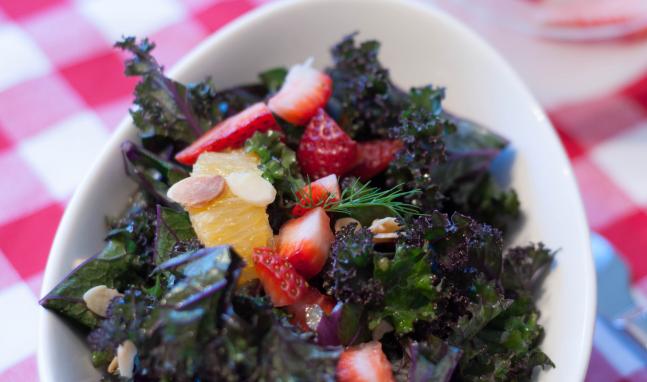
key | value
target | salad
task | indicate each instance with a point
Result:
(313, 226)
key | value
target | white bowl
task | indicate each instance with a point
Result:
(420, 45)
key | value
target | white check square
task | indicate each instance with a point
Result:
(62, 154)
(18, 324)
(117, 18)
(21, 58)
(624, 159)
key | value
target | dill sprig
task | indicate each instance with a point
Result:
(358, 195)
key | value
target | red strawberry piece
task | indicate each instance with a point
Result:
(304, 91)
(316, 194)
(325, 148)
(373, 157)
(305, 242)
(230, 133)
(364, 363)
(279, 278)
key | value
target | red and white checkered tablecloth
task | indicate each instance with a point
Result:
(62, 91)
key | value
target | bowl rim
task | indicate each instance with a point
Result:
(181, 69)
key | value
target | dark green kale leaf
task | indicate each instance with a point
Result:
(153, 174)
(507, 348)
(365, 102)
(174, 234)
(273, 78)
(430, 361)
(487, 303)
(466, 179)
(112, 267)
(411, 293)
(169, 113)
(348, 276)
(187, 317)
(291, 356)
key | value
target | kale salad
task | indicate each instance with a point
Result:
(313, 226)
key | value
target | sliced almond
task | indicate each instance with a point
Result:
(126, 353)
(114, 365)
(385, 237)
(195, 190)
(98, 298)
(343, 222)
(251, 187)
(384, 225)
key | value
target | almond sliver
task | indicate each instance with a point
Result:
(196, 190)
(251, 187)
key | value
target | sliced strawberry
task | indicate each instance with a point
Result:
(230, 133)
(325, 148)
(373, 157)
(280, 280)
(364, 363)
(316, 193)
(305, 242)
(304, 90)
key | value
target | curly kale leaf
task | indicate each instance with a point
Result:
(365, 102)
(125, 320)
(450, 159)
(168, 113)
(507, 348)
(423, 152)
(525, 267)
(279, 166)
(411, 292)
(349, 274)
(278, 162)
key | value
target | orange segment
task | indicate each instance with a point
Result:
(229, 219)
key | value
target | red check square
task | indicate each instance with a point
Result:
(26, 241)
(603, 200)
(88, 41)
(221, 13)
(174, 41)
(52, 95)
(22, 8)
(629, 236)
(592, 122)
(100, 79)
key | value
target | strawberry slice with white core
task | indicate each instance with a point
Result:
(230, 133)
(305, 242)
(364, 363)
(317, 193)
(279, 279)
(591, 14)
(304, 90)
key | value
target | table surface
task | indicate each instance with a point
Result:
(52, 98)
